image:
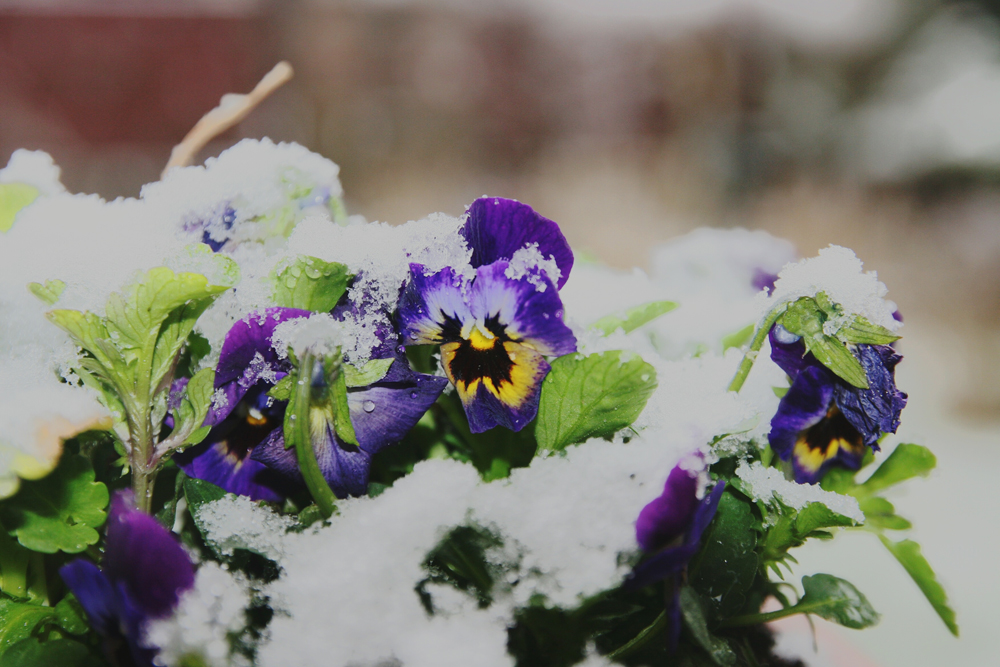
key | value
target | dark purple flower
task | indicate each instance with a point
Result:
(669, 529)
(496, 228)
(245, 451)
(494, 332)
(762, 280)
(144, 572)
(823, 420)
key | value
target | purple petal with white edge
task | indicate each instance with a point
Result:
(144, 556)
(248, 356)
(668, 516)
(529, 315)
(875, 410)
(383, 414)
(806, 403)
(94, 592)
(496, 228)
(430, 306)
(788, 351)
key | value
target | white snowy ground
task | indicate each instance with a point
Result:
(954, 513)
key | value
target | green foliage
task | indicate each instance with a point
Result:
(857, 329)
(20, 620)
(836, 600)
(693, 615)
(13, 198)
(49, 292)
(726, 567)
(311, 284)
(805, 318)
(34, 652)
(907, 552)
(60, 512)
(191, 412)
(593, 396)
(545, 637)
(791, 528)
(738, 338)
(460, 560)
(905, 462)
(373, 371)
(633, 318)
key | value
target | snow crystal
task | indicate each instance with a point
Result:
(34, 168)
(318, 333)
(528, 262)
(836, 271)
(768, 483)
(200, 626)
(236, 522)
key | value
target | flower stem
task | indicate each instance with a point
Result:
(751, 354)
(754, 619)
(298, 435)
(656, 627)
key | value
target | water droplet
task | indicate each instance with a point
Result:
(300, 382)
(413, 394)
(368, 406)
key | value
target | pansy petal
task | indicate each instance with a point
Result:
(806, 403)
(272, 453)
(432, 308)
(704, 513)
(875, 410)
(94, 592)
(145, 557)
(496, 228)
(384, 413)
(527, 314)
(247, 356)
(661, 565)
(831, 440)
(789, 352)
(216, 463)
(345, 467)
(668, 516)
(501, 389)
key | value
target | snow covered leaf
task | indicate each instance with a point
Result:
(862, 332)
(907, 552)
(593, 396)
(370, 373)
(311, 284)
(633, 318)
(836, 600)
(905, 462)
(59, 512)
(14, 197)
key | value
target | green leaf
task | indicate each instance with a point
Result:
(593, 396)
(33, 652)
(19, 620)
(780, 391)
(60, 512)
(879, 513)
(50, 292)
(87, 331)
(834, 355)
(311, 284)
(197, 492)
(905, 462)
(738, 338)
(817, 515)
(191, 412)
(342, 416)
(803, 318)
(836, 600)
(907, 552)
(862, 332)
(71, 617)
(13, 198)
(694, 618)
(633, 318)
(370, 373)
(726, 566)
(282, 391)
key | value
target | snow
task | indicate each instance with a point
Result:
(34, 168)
(318, 333)
(236, 522)
(768, 483)
(529, 261)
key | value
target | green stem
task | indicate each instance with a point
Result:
(39, 587)
(298, 435)
(13, 566)
(751, 354)
(640, 639)
(755, 619)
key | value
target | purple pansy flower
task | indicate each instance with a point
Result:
(495, 329)
(144, 572)
(669, 529)
(823, 420)
(245, 452)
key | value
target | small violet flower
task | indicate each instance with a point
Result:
(496, 328)
(245, 451)
(669, 529)
(822, 420)
(144, 572)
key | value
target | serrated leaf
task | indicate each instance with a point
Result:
(60, 512)
(694, 618)
(311, 284)
(905, 462)
(593, 396)
(836, 600)
(879, 513)
(817, 515)
(191, 412)
(862, 332)
(49, 292)
(369, 374)
(834, 355)
(86, 329)
(633, 318)
(13, 198)
(907, 552)
(738, 338)
(726, 566)
(283, 389)
(19, 620)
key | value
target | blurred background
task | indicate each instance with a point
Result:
(873, 124)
